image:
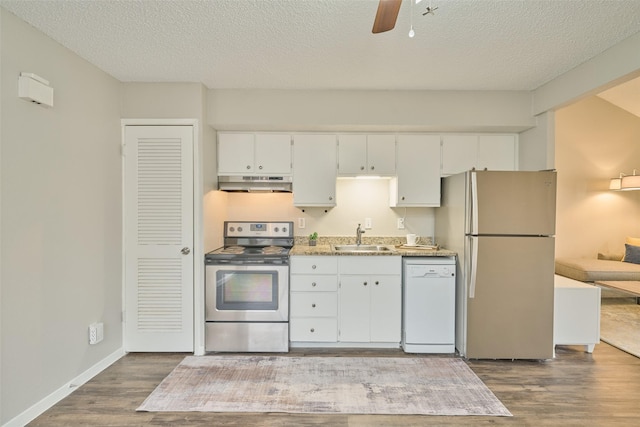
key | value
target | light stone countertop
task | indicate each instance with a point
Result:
(325, 247)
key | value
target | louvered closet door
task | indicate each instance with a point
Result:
(158, 238)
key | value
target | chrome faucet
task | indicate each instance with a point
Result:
(359, 232)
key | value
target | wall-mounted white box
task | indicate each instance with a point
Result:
(34, 88)
(96, 332)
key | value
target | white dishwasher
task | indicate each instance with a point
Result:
(429, 300)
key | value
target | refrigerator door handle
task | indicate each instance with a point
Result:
(474, 269)
(474, 203)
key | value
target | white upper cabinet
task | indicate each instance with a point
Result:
(314, 170)
(417, 181)
(497, 152)
(464, 152)
(366, 155)
(254, 154)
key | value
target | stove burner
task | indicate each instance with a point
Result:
(272, 250)
(234, 250)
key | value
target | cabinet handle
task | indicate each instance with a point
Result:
(330, 197)
(365, 283)
(377, 283)
(361, 168)
(313, 329)
(260, 167)
(313, 267)
(248, 167)
(313, 305)
(373, 167)
(402, 197)
(313, 285)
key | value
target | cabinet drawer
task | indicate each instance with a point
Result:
(314, 283)
(370, 265)
(313, 329)
(314, 265)
(314, 304)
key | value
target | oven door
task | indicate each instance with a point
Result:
(247, 293)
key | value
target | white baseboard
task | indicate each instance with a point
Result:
(38, 408)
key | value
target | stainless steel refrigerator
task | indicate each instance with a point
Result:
(502, 225)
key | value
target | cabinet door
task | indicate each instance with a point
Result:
(497, 152)
(459, 153)
(314, 170)
(352, 155)
(386, 309)
(417, 181)
(273, 154)
(354, 309)
(235, 154)
(381, 155)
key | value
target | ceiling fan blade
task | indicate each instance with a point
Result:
(386, 15)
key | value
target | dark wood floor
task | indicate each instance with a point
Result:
(574, 389)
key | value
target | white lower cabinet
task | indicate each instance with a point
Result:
(370, 299)
(313, 310)
(343, 300)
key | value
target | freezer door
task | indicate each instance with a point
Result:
(510, 304)
(512, 203)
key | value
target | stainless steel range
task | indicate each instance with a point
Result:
(247, 288)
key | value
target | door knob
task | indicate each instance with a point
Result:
(185, 251)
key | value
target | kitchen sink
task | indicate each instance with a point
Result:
(361, 248)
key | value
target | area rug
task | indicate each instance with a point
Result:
(330, 385)
(620, 324)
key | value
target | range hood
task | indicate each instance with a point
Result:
(255, 184)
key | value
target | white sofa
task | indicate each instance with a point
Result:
(593, 270)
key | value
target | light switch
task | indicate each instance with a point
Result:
(367, 224)
(301, 223)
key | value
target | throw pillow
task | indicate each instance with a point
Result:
(632, 253)
(611, 257)
(635, 241)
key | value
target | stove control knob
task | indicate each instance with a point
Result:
(232, 229)
(276, 229)
(239, 229)
(284, 229)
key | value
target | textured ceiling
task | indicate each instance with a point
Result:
(328, 44)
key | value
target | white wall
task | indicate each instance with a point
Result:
(595, 141)
(361, 110)
(536, 145)
(61, 218)
(615, 65)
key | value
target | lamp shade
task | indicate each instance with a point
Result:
(615, 184)
(630, 182)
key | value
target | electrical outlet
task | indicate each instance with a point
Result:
(301, 223)
(367, 224)
(400, 223)
(96, 333)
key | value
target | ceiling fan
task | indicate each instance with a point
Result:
(386, 15)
